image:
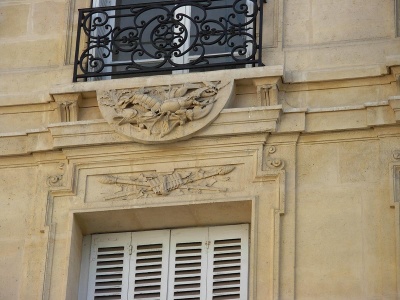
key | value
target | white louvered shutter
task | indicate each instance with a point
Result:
(109, 266)
(227, 273)
(149, 265)
(188, 264)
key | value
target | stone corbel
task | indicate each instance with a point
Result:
(68, 106)
(394, 103)
(396, 154)
(267, 94)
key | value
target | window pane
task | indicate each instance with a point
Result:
(220, 28)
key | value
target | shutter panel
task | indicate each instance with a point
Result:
(188, 264)
(227, 273)
(109, 266)
(148, 278)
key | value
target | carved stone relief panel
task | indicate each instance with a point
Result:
(164, 113)
(154, 184)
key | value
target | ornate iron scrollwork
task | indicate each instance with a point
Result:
(167, 36)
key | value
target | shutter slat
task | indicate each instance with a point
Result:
(194, 289)
(147, 277)
(106, 267)
(138, 285)
(187, 295)
(227, 286)
(107, 294)
(107, 287)
(187, 282)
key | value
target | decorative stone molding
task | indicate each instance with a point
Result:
(164, 113)
(62, 182)
(271, 149)
(68, 106)
(394, 103)
(395, 169)
(152, 184)
(54, 180)
(274, 163)
(267, 94)
(396, 185)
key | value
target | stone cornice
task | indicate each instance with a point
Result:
(231, 122)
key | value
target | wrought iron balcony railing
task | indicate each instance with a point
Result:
(161, 37)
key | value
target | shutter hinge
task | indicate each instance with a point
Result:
(130, 249)
(208, 243)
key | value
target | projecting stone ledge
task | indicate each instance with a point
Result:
(230, 122)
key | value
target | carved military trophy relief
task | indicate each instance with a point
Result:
(157, 184)
(164, 113)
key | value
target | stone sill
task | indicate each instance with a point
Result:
(236, 74)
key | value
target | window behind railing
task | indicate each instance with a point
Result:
(118, 40)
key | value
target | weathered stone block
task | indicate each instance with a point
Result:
(334, 21)
(38, 53)
(48, 17)
(13, 20)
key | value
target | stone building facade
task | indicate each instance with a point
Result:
(301, 154)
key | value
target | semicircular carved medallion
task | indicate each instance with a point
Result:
(164, 113)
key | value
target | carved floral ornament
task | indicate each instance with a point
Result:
(164, 113)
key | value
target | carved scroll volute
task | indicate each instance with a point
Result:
(165, 113)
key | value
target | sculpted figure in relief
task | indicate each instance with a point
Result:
(161, 109)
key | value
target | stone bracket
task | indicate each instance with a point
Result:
(267, 94)
(68, 106)
(394, 103)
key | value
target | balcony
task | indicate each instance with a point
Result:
(167, 37)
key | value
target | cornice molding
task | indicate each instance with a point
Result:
(230, 122)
